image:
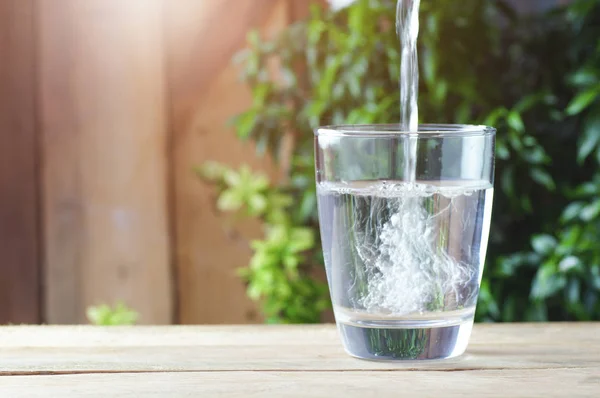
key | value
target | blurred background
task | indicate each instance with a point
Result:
(156, 157)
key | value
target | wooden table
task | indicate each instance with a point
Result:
(546, 360)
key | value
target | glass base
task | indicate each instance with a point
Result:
(405, 343)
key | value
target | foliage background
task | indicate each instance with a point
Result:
(534, 77)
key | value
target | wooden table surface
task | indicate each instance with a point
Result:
(510, 360)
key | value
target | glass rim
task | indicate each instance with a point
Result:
(393, 130)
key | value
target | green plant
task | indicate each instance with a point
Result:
(481, 62)
(104, 315)
(278, 272)
(565, 260)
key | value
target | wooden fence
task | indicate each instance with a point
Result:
(105, 107)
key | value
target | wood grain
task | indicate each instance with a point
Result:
(103, 117)
(205, 93)
(498, 383)
(37, 350)
(529, 360)
(19, 246)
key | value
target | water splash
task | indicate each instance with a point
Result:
(400, 235)
(410, 272)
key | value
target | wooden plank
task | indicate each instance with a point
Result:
(588, 334)
(531, 383)
(103, 115)
(19, 247)
(205, 92)
(36, 350)
(300, 9)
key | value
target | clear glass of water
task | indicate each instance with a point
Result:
(405, 220)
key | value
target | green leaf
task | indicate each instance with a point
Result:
(569, 263)
(502, 151)
(98, 315)
(543, 244)
(291, 261)
(587, 189)
(277, 216)
(509, 266)
(591, 211)
(257, 204)
(104, 315)
(301, 239)
(325, 86)
(590, 136)
(543, 178)
(230, 200)
(254, 291)
(547, 282)
(440, 91)
(355, 17)
(568, 240)
(278, 200)
(123, 315)
(245, 123)
(278, 234)
(584, 77)
(495, 116)
(515, 140)
(572, 211)
(262, 258)
(536, 156)
(315, 109)
(315, 30)
(260, 94)
(308, 205)
(259, 182)
(515, 122)
(583, 100)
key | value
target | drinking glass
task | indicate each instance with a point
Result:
(404, 221)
